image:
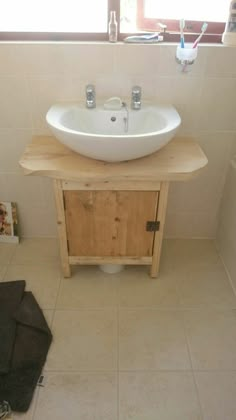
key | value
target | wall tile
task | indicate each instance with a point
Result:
(221, 61)
(12, 60)
(226, 234)
(13, 142)
(15, 103)
(217, 104)
(191, 225)
(137, 59)
(76, 59)
(25, 190)
(35, 221)
(46, 91)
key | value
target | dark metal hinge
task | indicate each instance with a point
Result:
(152, 226)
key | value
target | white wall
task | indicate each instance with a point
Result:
(33, 76)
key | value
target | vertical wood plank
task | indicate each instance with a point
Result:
(110, 223)
(161, 215)
(61, 224)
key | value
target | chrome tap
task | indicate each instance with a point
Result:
(90, 96)
(136, 97)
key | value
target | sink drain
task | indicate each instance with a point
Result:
(113, 119)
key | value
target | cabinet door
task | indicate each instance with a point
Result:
(110, 223)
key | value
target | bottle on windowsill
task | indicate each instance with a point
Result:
(112, 27)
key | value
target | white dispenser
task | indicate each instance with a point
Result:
(229, 35)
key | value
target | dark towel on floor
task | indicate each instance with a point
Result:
(24, 344)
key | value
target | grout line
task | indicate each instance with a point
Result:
(98, 372)
(192, 370)
(57, 297)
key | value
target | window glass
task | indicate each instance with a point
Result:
(128, 16)
(203, 10)
(53, 16)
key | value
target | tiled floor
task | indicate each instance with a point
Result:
(129, 347)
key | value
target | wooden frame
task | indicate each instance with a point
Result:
(179, 160)
(67, 260)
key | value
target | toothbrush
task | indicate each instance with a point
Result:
(204, 28)
(181, 27)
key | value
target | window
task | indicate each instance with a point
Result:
(54, 15)
(88, 20)
(156, 15)
(54, 19)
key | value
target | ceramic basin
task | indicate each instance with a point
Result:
(113, 135)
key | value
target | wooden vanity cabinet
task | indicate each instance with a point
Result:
(111, 213)
(110, 226)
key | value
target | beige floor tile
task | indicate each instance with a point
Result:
(42, 280)
(2, 271)
(84, 340)
(6, 252)
(152, 339)
(217, 392)
(184, 252)
(85, 396)
(48, 316)
(137, 289)
(206, 285)
(36, 251)
(29, 415)
(88, 287)
(212, 338)
(158, 396)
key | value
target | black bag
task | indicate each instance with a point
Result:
(24, 343)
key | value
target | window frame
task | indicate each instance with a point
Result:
(192, 28)
(171, 34)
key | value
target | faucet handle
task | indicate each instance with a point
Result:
(136, 90)
(90, 88)
(136, 97)
(90, 96)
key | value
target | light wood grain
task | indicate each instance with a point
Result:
(161, 215)
(94, 260)
(109, 223)
(61, 228)
(107, 205)
(178, 160)
(111, 186)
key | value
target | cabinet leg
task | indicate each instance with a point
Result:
(161, 215)
(66, 270)
(61, 223)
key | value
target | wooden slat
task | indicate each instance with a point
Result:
(61, 228)
(161, 215)
(109, 223)
(178, 160)
(94, 260)
(111, 186)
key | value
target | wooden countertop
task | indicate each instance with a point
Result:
(179, 160)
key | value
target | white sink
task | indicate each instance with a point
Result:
(113, 135)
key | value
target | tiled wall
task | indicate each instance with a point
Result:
(226, 234)
(34, 76)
